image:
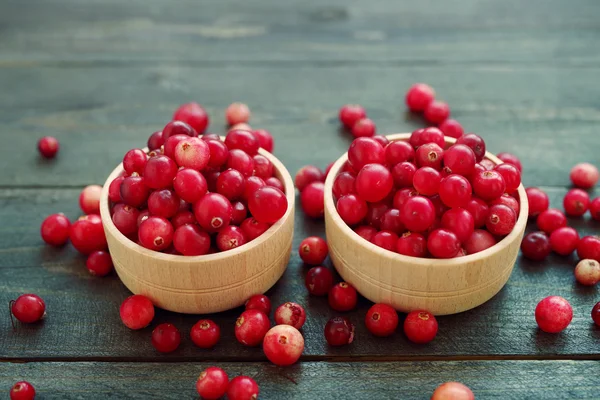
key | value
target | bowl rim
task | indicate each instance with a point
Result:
(331, 210)
(268, 234)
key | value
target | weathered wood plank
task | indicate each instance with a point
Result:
(312, 380)
(83, 318)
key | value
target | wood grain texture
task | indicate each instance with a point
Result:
(312, 380)
(88, 306)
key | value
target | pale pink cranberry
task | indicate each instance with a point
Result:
(290, 314)
(192, 153)
(584, 175)
(89, 199)
(283, 345)
(237, 113)
(452, 391)
(587, 272)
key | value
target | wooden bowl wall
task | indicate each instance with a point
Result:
(209, 283)
(409, 283)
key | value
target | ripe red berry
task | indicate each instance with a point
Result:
(190, 185)
(501, 220)
(589, 247)
(253, 229)
(442, 243)
(564, 240)
(509, 201)
(417, 213)
(134, 191)
(253, 183)
(429, 155)
(452, 391)
(576, 202)
(550, 220)
(460, 222)
(451, 128)
(538, 201)
(283, 345)
(476, 143)
(352, 209)
(553, 314)
(274, 182)
(28, 308)
(399, 151)
(479, 210)
(584, 175)
(536, 246)
(374, 182)
(268, 204)
(351, 114)
(89, 199)
(308, 174)
(339, 331)
(125, 219)
(313, 250)
(205, 333)
(426, 181)
(259, 302)
(381, 320)
(342, 297)
(511, 175)
(87, 234)
(156, 233)
(479, 241)
(403, 174)
(251, 327)
(190, 240)
(263, 168)
(365, 151)
(156, 140)
(163, 203)
(239, 213)
(364, 127)
(386, 240)
(455, 191)
(488, 185)
(412, 244)
(242, 388)
(237, 113)
(459, 159)
(55, 229)
(289, 313)
(159, 173)
(265, 139)
(343, 185)
(375, 211)
(99, 263)
(596, 314)
(114, 190)
(392, 222)
(166, 338)
(213, 211)
(587, 272)
(243, 140)
(230, 237)
(193, 114)
(319, 281)
(22, 391)
(595, 209)
(212, 383)
(178, 127)
(193, 153)
(48, 146)
(231, 184)
(420, 327)
(135, 161)
(136, 312)
(436, 112)
(419, 96)
(511, 159)
(424, 136)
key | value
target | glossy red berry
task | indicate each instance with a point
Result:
(22, 391)
(87, 234)
(239, 213)
(212, 383)
(306, 175)
(342, 297)
(240, 161)
(509, 201)
(114, 190)
(159, 172)
(242, 388)
(166, 338)
(265, 139)
(576, 202)
(386, 240)
(178, 127)
(290, 313)
(243, 140)
(374, 213)
(268, 204)
(283, 345)
(595, 209)
(455, 191)
(343, 185)
(374, 182)
(451, 128)
(213, 212)
(352, 209)
(364, 127)
(479, 210)
(339, 331)
(417, 213)
(155, 141)
(163, 203)
(351, 114)
(28, 308)
(134, 191)
(427, 181)
(319, 281)
(584, 175)
(589, 247)
(536, 246)
(365, 151)
(313, 250)
(429, 155)
(459, 159)
(192, 153)
(48, 146)
(442, 243)
(587, 272)
(252, 184)
(510, 159)
(190, 240)
(193, 114)
(274, 182)
(231, 184)
(259, 302)
(511, 176)
(125, 219)
(436, 112)
(190, 185)
(476, 143)
(538, 201)
(501, 220)
(550, 220)
(137, 312)
(403, 174)
(99, 263)
(460, 222)
(419, 96)
(420, 327)
(564, 240)
(392, 221)
(452, 391)
(135, 161)
(230, 237)
(399, 151)
(156, 233)
(478, 241)
(205, 333)
(412, 244)
(263, 168)
(553, 314)
(488, 185)
(251, 327)
(596, 314)
(253, 229)
(424, 136)
(55, 229)
(381, 320)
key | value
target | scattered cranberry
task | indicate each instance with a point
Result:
(351, 114)
(553, 314)
(313, 250)
(48, 146)
(193, 114)
(538, 201)
(501, 220)
(253, 229)
(564, 240)
(576, 202)
(364, 127)
(136, 312)
(365, 151)
(259, 302)
(584, 175)
(381, 320)
(308, 174)
(251, 327)
(589, 247)
(412, 244)
(455, 191)
(419, 96)
(452, 391)
(283, 344)
(89, 199)
(28, 308)
(587, 272)
(166, 338)
(510, 159)
(265, 139)
(289, 313)
(451, 128)
(268, 204)
(213, 212)
(22, 391)
(596, 314)
(99, 263)
(55, 229)
(386, 240)
(87, 234)
(319, 281)
(342, 297)
(420, 327)
(417, 213)
(237, 113)
(536, 246)
(595, 209)
(442, 243)
(436, 112)
(230, 237)
(479, 241)
(205, 333)
(212, 383)
(550, 220)
(339, 331)
(190, 240)
(242, 388)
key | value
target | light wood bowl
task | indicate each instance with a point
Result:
(410, 283)
(209, 283)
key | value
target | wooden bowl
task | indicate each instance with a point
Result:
(209, 283)
(410, 283)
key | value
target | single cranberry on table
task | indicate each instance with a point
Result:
(451, 128)
(313, 250)
(381, 320)
(259, 302)
(55, 229)
(412, 244)
(283, 345)
(290, 313)
(419, 96)
(28, 308)
(363, 151)
(589, 247)
(22, 391)
(584, 175)
(205, 334)
(386, 240)
(87, 234)
(364, 127)
(242, 388)
(265, 139)
(350, 114)
(166, 338)
(230, 237)
(192, 114)
(596, 314)
(253, 229)
(251, 327)
(319, 281)
(342, 297)
(339, 331)
(436, 112)
(587, 272)
(420, 326)
(89, 199)
(136, 312)
(307, 175)
(538, 201)
(48, 146)
(455, 191)
(550, 220)
(99, 263)
(452, 391)
(478, 241)
(564, 240)
(553, 314)
(576, 202)
(536, 246)
(442, 243)
(501, 220)
(237, 113)
(212, 383)
(190, 240)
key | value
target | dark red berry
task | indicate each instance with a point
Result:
(308, 174)
(319, 281)
(178, 127)
(155, 141)
(155, 233)
(342, 297)
(163, 203)
(479, 210)
(28, 308)
(451, 128)
(253, 229)
(576, 202)
(553, 314)
(212, 383)
(136, 312)
(158, 173)
(412, 244)
(99, 263)
(350, 114)
(403, 174)
(536, 246)
(596, 314)
(343, 185)
(242, 388)
(476, 143)
(366, 232)
(22, 391)
(339, 331)
(230, 237)
(538, 201)
(48, 146)
(166, 338)
(511, 175)
(134, 191)
(259, 302)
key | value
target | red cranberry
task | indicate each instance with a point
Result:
(89, 199)
(460, 222)
(159, 173)
(137, 312)
(189, 240)
(401, 196)
(365, 151)
(252, 184)
(476, 143)
(509, 201)
(156, 140)
(251, 327)
(192, 153)
(412, 244)
(55, 229)
(451, 128)
(155, 233)
(243, 140)
(213, 211)
(420, 327)
(240, 126)
(166, 338)
(313, 250)
(381, 320)
(417, 214)
(99, 263)
(342, 297)
(240, 161)
(134, 191)
(553, 314)
(230, 237)
(163, 203)
(343, 185)
(339, 331)
(231, 184)
(442, 243)
(319, 280)
(253, 229)
(135, 161)
(510, 159)
(382, 140)
(239, 213)
(596, 314)
(439, 206)
(114, 190)
(460, 159)
(584, 175)
(436, 112)
(399, 151)
(576, 202)
(479, 241)
(190, 185)
(419, 96)
(274, 182)
(511, 176)
(28, 308)
(374, 182)
(22, 391)
(391, 221)
(455, 191)
(171, 144)
(427, 181)
(178, 127)
(587, 272)
(595, 209)
(386, 240)
(289, 313)
(424, 136)
(352, 209)
(364, 127)
(501, 220)
(479, 210)
(259, 302)
(87, 234)
(429, 155)
(486, 165)
(550, 220)
(242, 388)
(374, 213)
(48, 146)
(268, 204)
(564, 240)
(237, 113)
(312, 199)
(488, 185)
(193, 114)
(283, 345)
(212, 383)
(205, 333)
(307, 175)
(403, 174)
(538, 201)
(144, 216)
(263, 168)
(452, 391)
(589, 247)
(536, 246)
(351, 114)
(265, 139)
